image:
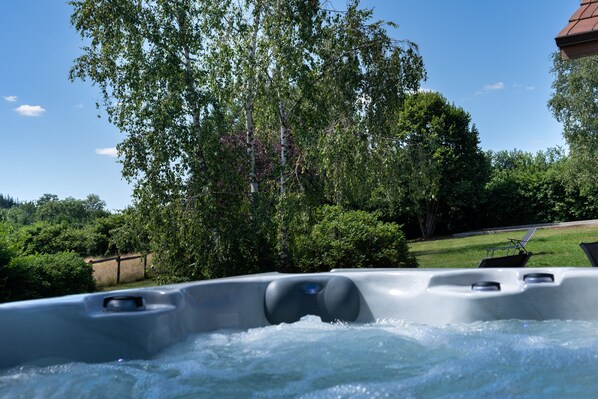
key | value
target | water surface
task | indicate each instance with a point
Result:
(311, 359)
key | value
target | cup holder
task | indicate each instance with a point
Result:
(537, 278)
(125, 303)
(485, 286)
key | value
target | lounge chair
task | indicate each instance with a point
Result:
(591, 250)
(518, 260)
(515, 244)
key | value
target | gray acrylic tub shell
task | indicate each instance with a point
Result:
(139, 323)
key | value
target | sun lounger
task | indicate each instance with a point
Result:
(591, 250)
(515, 244)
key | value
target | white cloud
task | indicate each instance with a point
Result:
(490, 88)
(494, 86)
(110, 152)
(81, 105)
(30, 110)
(524, 87)
(10, 99)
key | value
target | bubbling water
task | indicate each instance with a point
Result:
(311, 359)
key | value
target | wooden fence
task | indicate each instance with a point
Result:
(119, 260)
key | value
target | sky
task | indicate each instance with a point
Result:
(490, 57)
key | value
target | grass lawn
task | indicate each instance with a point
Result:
(550, 247)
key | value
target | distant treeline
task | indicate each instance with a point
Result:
(520, 188)
(43, 242)
(51, 225)
(6, 201)
(528, 188)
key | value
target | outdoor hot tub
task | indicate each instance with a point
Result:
(381, 312)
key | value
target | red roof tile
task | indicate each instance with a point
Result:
(580, 36)
(590, 11)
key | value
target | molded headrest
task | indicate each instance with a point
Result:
(331, 297)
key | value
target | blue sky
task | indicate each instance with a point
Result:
(491, 57)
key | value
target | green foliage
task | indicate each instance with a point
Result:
(21, 215)
(9, 248)
(443, 168)
(348, 166)
(50, 225)
(9, 245)
(50, 209)
(43, 276)
(6, 201)
(127, 231)
(185, 80)
(351, 239)
(574, 103)
(48, 238)
(529, 188)
(190, 243)
(25, 276)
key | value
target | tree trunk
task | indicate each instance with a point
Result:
(427, 221)
(250, 136)
(193, 103)
(284, 139)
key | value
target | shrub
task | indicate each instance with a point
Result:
(351, 239)
(8, 247)
(90, 240)
(42, 276)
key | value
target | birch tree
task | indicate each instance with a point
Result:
(574, 103)
(183, 80)
(153, 62)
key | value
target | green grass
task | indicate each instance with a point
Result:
(550, 247)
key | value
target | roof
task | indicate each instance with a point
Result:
(580, 37)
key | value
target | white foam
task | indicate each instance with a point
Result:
(311, 359)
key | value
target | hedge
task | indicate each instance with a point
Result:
(42, 276)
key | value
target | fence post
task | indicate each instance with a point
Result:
(144, 266)
(118, 269)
